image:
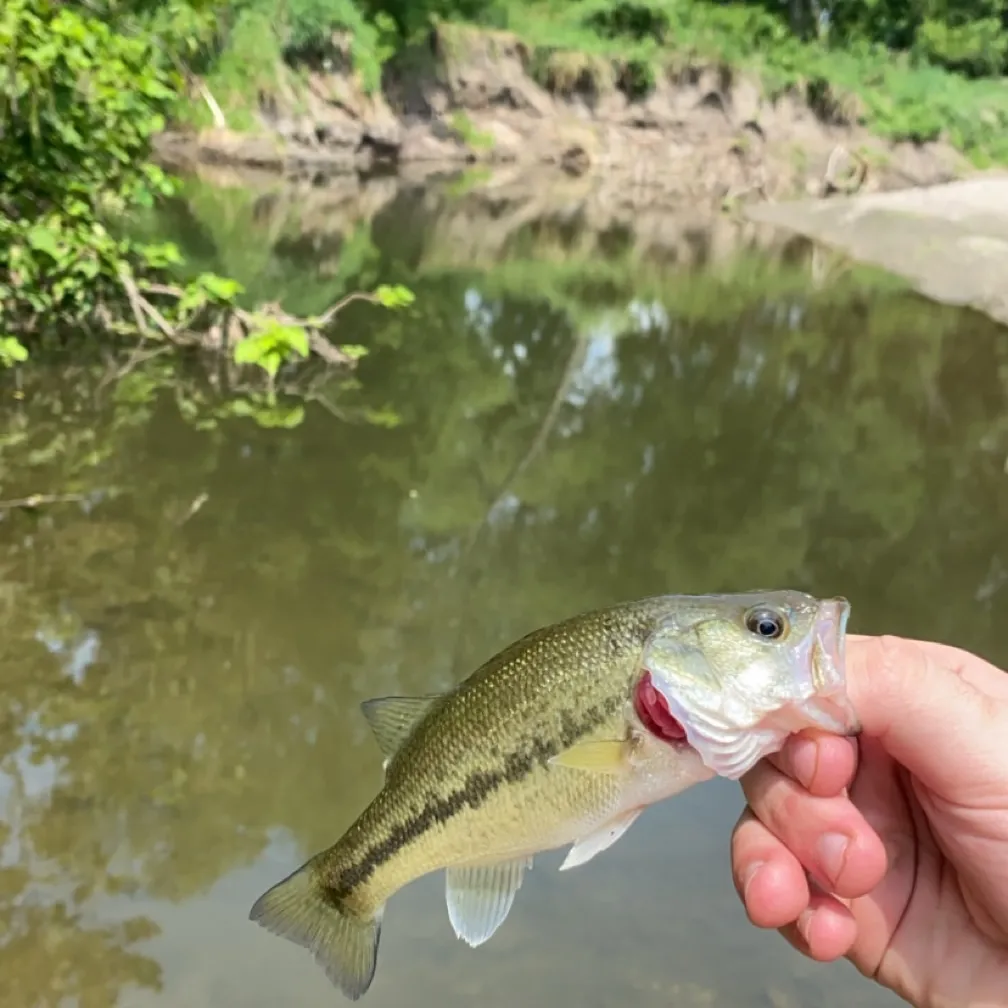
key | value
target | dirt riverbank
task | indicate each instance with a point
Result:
(473, 100)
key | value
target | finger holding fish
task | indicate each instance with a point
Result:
(830, 838)
(822, 763)
(777, 894)
(769, 879)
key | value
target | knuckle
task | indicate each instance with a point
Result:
(891, 652)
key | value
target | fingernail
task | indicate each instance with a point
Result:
(832, 850)
(748, 876)
(804, 923)
(804, 759)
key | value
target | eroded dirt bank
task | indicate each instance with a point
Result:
(475, 99)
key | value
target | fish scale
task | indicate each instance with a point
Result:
(544, 746)
(463, 755)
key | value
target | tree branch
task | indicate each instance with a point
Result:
(249, 320)
(36, 500)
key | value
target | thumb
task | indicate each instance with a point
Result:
(940, 712)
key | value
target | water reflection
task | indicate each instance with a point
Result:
(184, 652)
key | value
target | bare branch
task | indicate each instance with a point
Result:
(37, 500)
(134, 301)
(330, 313)
(141, 306)
(215, 110)
(329, 352)
(156, 288)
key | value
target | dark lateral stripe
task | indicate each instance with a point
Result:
(478, 787)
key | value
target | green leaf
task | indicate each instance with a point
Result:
(193, 298)
(286, 417)
(298, 339)
(270, 362)
(354, 351)
(383, 417)
(220, 288)
(161, 255)
(241, 407)
(12, 351)
(248, 351)
(44, 238)
(394, 296)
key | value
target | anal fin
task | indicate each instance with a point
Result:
(587, 847)
(480, 897)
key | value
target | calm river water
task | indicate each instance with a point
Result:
(570, 415)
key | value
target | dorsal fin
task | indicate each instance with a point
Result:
(392, 719)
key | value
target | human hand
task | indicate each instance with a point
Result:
(903, 831)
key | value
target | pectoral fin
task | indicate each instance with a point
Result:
(604, 756)
(480, 897)
(587, 847)
(393, 718)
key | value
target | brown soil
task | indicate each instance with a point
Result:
(704, 134)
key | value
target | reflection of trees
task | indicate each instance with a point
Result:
(50, 956)
(541, 467)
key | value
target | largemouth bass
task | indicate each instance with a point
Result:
(564, 737)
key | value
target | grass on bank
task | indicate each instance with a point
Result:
(596, 45)
(897, 95)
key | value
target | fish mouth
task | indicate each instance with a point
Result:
(830, 707)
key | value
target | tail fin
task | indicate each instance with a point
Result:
(302, 910)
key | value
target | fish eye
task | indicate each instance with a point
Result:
(766, 623)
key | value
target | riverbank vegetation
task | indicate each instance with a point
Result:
(83, 92)
(87, 86)
(908, 70)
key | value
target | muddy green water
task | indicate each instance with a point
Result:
(567, 418)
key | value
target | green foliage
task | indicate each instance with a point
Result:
(968, 36)
(394, 296)
(901, 65)
(81, 101)
(12, 351)
(258, 40)
(266, 411)
(249, 61)
(270, 342)
(413, 17)
(270, 345)
(79, 104)
(372, 40)
(978, 48)
(910, 94)
(83, 94)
